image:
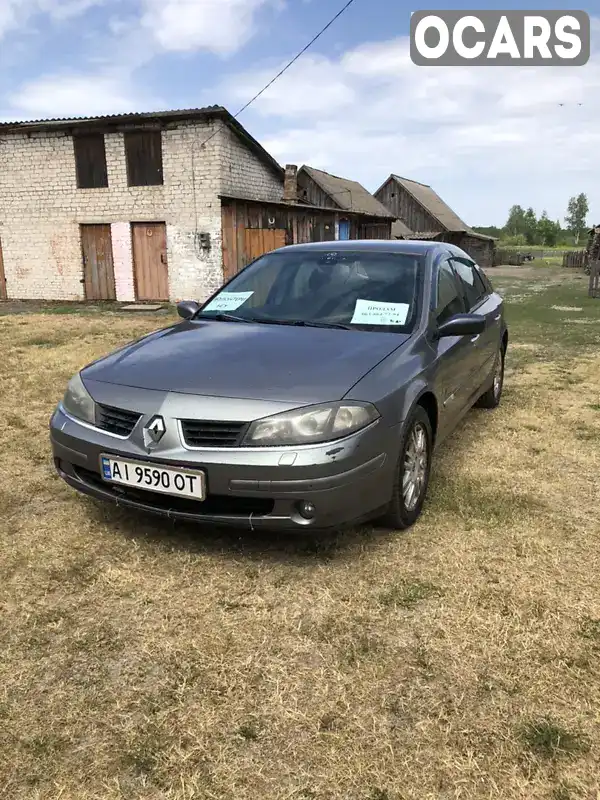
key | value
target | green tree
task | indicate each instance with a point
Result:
(531, 226)
(513, 241)
(548, 231)
(577, 211)
(515, 225)
(489, 230)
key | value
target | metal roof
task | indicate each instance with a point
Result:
(348, 195)
(433, 234)
(61, 122)
(400, 230)
(297, 205)
(425, 234)
(175, 115)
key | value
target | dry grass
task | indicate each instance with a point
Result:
(461, 660)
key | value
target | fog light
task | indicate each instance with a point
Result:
(306, 509)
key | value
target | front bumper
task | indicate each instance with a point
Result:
(346, 481)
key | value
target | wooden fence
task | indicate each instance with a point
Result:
(511, 258)
(575, 259)
(594, 289)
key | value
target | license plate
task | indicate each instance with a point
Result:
(154, 477)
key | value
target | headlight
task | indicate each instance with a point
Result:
(311, 425)
(78, 401)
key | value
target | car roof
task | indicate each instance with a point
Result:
(382, 245)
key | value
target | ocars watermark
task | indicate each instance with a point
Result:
(501, 38)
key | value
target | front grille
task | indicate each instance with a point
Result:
(201, 433)
(213, 505)
(116, 420)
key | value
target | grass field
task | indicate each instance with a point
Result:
(458, 660)
(524, 248)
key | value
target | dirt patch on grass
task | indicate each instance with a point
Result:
(145, 660)
(551, 272)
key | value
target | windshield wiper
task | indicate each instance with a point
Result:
(269, 321)
(306, 324)
(300, 323)
(226, 318)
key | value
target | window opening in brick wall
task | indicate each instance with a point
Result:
(143, 152)
(90, 161)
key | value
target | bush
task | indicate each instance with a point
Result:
(513, 241)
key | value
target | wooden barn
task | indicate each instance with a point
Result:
(422, 214)
(316, 207)
(359, 214)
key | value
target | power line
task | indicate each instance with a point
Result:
(257, 95)
(285, 69)
(296, 57)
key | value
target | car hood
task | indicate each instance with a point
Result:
(247, 360)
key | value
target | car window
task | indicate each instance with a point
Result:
(369, 289)
(486, 281)
(448, 300)
(471, 281)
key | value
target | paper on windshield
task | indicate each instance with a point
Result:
(228, 301)
(371, 312)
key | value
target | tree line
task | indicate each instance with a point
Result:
(524, 228)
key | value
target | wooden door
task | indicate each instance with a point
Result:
(344, 230)
(98, 269)
(3, 292)
(150, 268)
(262, 240)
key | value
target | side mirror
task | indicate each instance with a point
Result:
(462, 325)
(187, 308)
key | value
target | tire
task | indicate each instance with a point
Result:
(491, 398)
(404, 511)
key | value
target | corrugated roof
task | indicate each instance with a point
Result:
(174, 115)
(298, 205)
(349, 195)
(433, 234)
(425, 235)
(400, 230)
(61, 122)
(476, 235)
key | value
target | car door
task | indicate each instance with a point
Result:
(480, 299)
(455, 360)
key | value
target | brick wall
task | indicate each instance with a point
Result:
(41, 209)
(243, 175)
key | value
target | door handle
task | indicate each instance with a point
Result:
(474, 339)
(497, 319)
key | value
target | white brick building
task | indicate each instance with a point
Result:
(147, 185)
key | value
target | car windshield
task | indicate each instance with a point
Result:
(364, 289)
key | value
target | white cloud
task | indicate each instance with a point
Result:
(220, 26)
(485, 137)
(15, 14)
(78, 95)
(135, 39)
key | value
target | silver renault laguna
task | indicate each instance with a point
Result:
(308, 392)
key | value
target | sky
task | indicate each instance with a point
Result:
(484, 137)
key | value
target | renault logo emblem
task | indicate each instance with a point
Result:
(154, 431)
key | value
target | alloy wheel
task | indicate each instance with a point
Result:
(498, 375)
(416, 461)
